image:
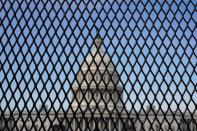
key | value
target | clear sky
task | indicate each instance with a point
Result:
(153, 43)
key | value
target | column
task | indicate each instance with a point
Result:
(89, 123)
(119, 125)
(100, 124)
(74, 124)
(78, 123)
(68, 125)
(93, 125)
(110, 125)
(83, 127)
(129, 122)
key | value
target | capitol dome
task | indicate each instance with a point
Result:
(96, 79)
(97, 58)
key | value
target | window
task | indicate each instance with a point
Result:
(173, 128)
(106, 95)
(36, 127)
(96, 78)
(79, 78)
(157, 127)
(106, 79)
(114, 78)
(193, 126)
(88, 94)
(79, 95)
(91, 124)
(113, 96)
(97, 95)
(1, 123)
(90, 78)
(166, 128)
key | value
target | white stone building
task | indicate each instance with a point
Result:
(99, 92)
(98, 105)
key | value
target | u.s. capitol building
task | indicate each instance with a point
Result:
(98, 106)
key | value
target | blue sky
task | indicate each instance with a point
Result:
(152, 43)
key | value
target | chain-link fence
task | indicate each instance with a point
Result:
(90, 65)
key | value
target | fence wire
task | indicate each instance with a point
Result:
(98, 65)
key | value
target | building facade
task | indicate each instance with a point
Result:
(96, 92)
(98, 105)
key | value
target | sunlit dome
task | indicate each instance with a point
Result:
(98, 58)
(97, 63)
(97, 76)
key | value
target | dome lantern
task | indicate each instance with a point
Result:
(97, 44)
(98, 41)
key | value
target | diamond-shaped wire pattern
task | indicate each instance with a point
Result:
(94, 65)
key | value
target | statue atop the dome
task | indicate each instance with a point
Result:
(98, 41)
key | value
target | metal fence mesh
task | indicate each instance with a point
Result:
(98, 65)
